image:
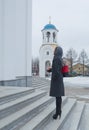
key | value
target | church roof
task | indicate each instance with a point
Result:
(49, 26)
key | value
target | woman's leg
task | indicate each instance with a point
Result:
(58, 105)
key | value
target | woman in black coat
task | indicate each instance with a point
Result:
(57, 86)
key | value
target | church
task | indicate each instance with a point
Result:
(46, 52)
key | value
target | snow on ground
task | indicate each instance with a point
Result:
(76, 82)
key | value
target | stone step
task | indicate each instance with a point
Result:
(42, 80)
(37, 77)
(41, 118)
(22, 116)
(78, 115)
(13, 106)
(11, 93)
(73, 120)
(84, 122)
(41, 86)
(33, 110)
(47, 89)
(6, 91)
(66, 110)
(39, 82)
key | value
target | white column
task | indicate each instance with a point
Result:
(45, 37)
(24, 40)
(9, 36)
(29, 36)
(15, 38)
(1, 39)
(51, 41)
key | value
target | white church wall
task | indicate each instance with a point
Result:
(42, 66)
(16, 38)
(44, 57)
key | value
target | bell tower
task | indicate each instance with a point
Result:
(49, 34)
(49, 42)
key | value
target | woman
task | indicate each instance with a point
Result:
(57, 86)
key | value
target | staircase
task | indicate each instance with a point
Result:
(40, 83)
(32, 109)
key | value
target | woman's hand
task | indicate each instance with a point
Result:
(49, 69)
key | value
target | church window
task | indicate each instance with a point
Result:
(47, 52)
(48, 36)
(54, 35)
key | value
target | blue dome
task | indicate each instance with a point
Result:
(49, 26)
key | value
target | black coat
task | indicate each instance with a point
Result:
(57, 86)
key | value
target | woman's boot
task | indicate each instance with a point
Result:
(58, 108)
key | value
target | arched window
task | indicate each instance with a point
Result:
(47, 53)
(54, 35)
(48, 36)
(47, 65)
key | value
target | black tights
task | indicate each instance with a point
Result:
(58, 105)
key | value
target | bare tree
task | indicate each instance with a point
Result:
(83, 59)
(71, 55)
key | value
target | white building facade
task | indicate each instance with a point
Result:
(49, 34)
(15, 38)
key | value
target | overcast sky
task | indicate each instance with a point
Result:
(71, 18)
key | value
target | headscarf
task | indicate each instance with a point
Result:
(58, 52)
